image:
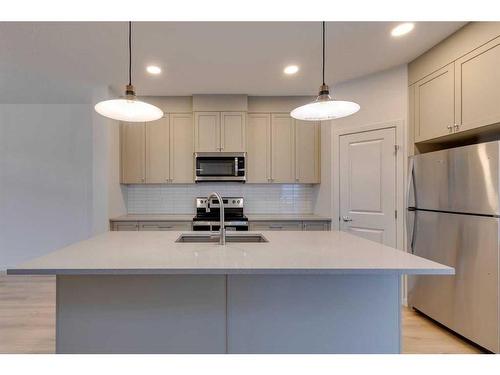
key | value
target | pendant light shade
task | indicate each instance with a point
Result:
(128, 108)
(324, 107)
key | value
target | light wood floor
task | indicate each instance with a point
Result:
(27, 321)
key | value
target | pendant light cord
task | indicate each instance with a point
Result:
(323, 52)
(130, 52)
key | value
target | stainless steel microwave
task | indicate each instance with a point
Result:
(220, 166)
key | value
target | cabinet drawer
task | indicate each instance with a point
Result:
(125, 226)
(276, 225)
(316, 226)
(165, 225)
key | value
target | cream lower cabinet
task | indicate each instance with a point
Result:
(477, 87)
(276, 225)
(290, 225)
(219, 131)
(159, 151)
(434, 105)
(151, 226)
(125, 226)
(132, 147)
(316, 226)
(165, 226)
(282, 150)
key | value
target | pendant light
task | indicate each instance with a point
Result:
(324, 107)
(128, 108)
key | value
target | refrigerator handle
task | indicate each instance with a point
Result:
(410, 232)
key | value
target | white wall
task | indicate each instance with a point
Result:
(55, 182)
(45, 178)
(382, 97)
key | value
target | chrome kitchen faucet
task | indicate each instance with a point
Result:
(222, 235)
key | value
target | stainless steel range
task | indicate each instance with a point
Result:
(234, 219)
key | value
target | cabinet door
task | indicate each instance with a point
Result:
(207, 131)
(165, 226)
(157, 152)
(478, 87)
(181, 148)
(233, 126)
(133, 153)
(316, 226)
(259, 148)
(276, 225)
(307, 152)
(435, 104)
(282, 149)
(125, 226)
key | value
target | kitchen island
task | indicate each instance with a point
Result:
(300, 292)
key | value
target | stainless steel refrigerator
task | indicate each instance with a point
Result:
(453, 218)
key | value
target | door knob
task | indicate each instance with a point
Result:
(346, 218)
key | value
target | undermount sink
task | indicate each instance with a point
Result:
(214, 237)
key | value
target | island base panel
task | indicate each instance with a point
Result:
(314, 314)
(141, 314)
(228, 314)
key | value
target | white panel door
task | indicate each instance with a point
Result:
(368, 185)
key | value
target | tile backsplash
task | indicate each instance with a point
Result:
(259, 198)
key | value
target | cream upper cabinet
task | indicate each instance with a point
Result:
(207, 131)
(477, 85)
(220, 131)
(132, 143)
(259, 148)
(181, 148)
(434, 104)
(232, 131)
(307, 151)
(282, 149)
(157, 152)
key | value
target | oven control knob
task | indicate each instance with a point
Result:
(234, 201)
(238, 201)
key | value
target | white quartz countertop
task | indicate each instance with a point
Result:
(251, 217)
(129, 253)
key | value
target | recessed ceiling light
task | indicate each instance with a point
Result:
(153, 69)
(291, 69)
(402, 29)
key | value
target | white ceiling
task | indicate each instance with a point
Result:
(202, 57)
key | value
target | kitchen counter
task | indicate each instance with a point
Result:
(251, 217)
(152, 253)
(154, 217)
(301, 292)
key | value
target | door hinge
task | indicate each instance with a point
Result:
(396, 148)
(395, 214)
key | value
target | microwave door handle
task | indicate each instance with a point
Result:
(236, 167)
